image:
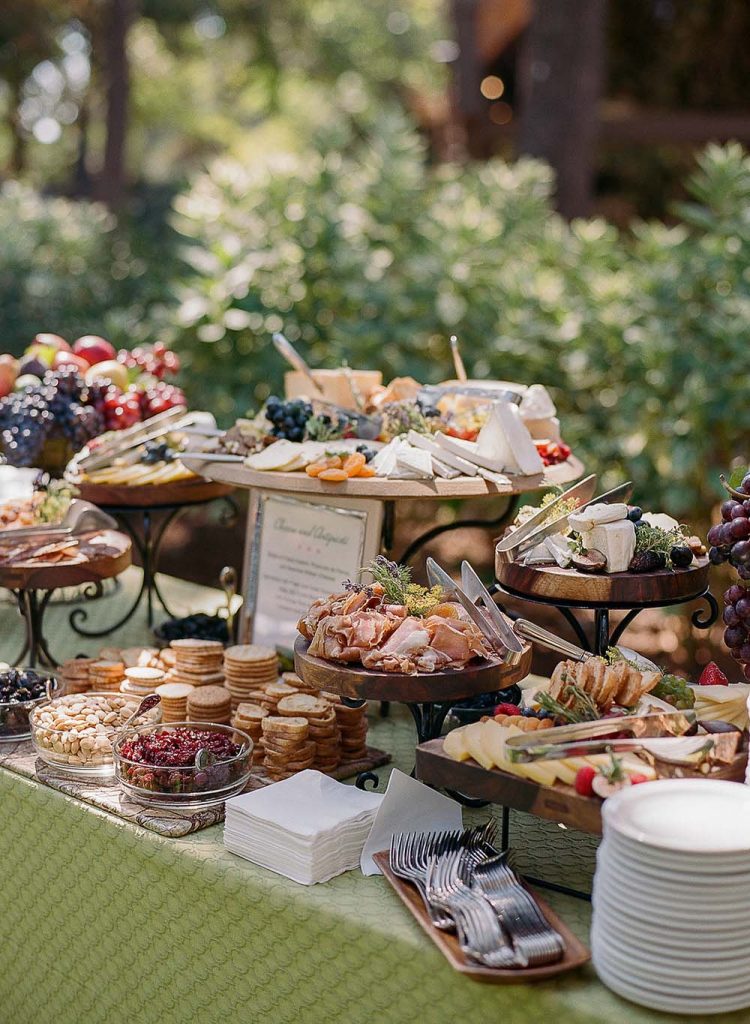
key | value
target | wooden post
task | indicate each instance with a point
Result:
(561, 80)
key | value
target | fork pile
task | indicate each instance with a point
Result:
(467, 886)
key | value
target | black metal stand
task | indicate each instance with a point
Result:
(498, 523)
(147, 541)
(32, 605)
(539, 882)
(604, 636)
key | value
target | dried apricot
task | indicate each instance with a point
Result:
(333, 475)
(353, 463)
(366, 471)
(315, 468)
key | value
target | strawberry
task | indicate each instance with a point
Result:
(636, 779)
(712, 676)
(584, 780)
(506, 709)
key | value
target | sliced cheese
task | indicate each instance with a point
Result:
(616, 541)
(504, 443)
(449, 458)
(276, 457)
(413, 462)
(385, 461)
(597, 515)
(559, 549)
(454, 745)
(443, 470)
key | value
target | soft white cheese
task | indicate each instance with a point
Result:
(616, 541)
(597, 515)
(660, 520)
(536, 403)
(385, 461)
(414, 462)
(445, 456)
(504, 443)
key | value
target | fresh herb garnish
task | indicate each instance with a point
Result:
(397, 587)
(653, 538)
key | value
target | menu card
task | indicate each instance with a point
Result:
(301, 551)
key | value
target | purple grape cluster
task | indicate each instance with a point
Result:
(736, 617)
(730, 539)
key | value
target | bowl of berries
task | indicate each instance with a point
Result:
(183, 767)
(21, 691)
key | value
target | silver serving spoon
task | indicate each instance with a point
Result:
(149, 701)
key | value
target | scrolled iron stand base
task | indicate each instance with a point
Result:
(32, 605)
(147, 542)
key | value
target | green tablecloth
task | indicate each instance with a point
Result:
(105, 923)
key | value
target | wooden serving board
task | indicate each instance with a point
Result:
(71, 574)
(434, 687)
(193, 490)
(616, 589)
(238, 475)
(575, 955)
(556, 803)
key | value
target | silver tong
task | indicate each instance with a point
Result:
(539, 526)
(81, 517)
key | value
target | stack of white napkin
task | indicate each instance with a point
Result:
(308, 827)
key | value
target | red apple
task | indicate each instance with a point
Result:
(64, 357)
(93, 349)
(52, 341)
(8, 374)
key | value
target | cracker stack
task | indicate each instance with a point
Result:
(210, 704)
(293, 680)
(275, 692)
(352, 723)
(198, 662)
(174, 697)
(248, 669)
(74, 675)
(141, 681)
(287, 747)
(106, 675)
(323, 729)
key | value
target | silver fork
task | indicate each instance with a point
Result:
(479, 932)
(409, 856)
(530, 932)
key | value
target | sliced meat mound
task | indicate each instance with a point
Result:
(349, 637)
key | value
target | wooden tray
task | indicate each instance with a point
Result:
(71, 574)
(237, 475)
(433, 687)
(556, 803)
(575, 955)
(552, 584)
(192, 491)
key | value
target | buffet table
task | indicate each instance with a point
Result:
(121, 924)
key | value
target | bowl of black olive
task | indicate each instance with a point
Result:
(22, 690)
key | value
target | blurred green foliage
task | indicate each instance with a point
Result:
(362, 256)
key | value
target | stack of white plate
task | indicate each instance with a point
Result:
(672, 896)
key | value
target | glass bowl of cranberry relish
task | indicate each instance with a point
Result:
(183, 765)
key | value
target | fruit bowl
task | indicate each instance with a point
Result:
(74, 733)
(16, 709)
(161, 765)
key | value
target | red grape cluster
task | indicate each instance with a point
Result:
(736, 617)
(156, 360)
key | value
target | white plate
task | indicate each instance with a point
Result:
(665, 914)
(681, 861)
(663, 987)
(663, 964)
(670, 1004)
(682, 939)
(700, 893)
(696, 816)
(635, 867)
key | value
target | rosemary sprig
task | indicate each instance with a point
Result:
(582, 709)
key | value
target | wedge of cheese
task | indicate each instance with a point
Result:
(449, 458)
(504, 443)
(413, 463)
(616, 541)
(597, 515)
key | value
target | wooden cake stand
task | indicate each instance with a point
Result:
(428, 696)
(33, 586)
(568, 589)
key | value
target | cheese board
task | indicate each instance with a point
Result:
(560, 803)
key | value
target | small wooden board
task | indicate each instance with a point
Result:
(556, 803)
(575, 955)
(433, 687)
(191, 491)
(71, 574)
(238, 475)
(551, 584)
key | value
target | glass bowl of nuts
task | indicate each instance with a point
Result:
(22, 690)
(183, 765)
(75, 733)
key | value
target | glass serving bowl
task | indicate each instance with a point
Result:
(84, 754)
(184, 787)
(14, 715)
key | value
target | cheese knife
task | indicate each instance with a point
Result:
(437, 576)
(476, 591)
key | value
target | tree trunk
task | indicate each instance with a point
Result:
(116, 69)
(562, 71)
(16, 129)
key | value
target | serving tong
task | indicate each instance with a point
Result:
(539, 526)
(81, 517)
(468, 887)
(127, 440)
